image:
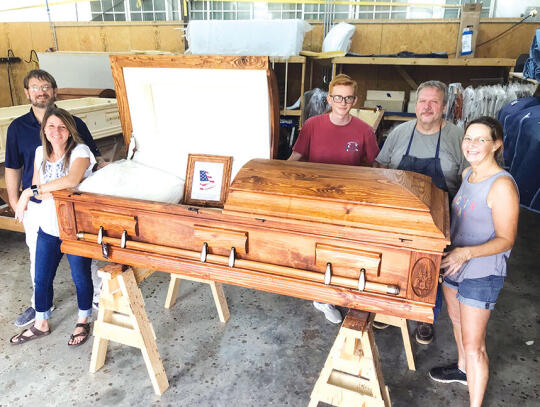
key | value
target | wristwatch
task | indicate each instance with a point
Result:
(35, 190)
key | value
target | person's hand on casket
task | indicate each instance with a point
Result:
(22, 204)
(100, 163)
(454, 259)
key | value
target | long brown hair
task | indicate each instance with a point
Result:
(72, 141)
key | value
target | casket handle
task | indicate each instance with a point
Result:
(204, 252)
(104, 246)
(361, 284)
(105, 250)
(123, 239)
(328, 274)
(232, 257)
(100, 235)
(362, 280)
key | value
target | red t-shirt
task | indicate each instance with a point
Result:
(321, 141)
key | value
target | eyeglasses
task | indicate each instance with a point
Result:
(478, 141)
(339, 99)
(43, 88)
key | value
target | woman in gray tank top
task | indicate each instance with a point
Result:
(483, 229)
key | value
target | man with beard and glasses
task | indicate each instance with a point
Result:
(22, 140)
(431, 146)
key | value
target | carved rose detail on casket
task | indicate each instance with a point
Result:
(423, 277)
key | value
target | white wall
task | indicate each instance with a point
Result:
(514, 8)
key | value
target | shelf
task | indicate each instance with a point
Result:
(286, 112)
(506, 62)
(519, 75)
(398, 118)
(295, 59)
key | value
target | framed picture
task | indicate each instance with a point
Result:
(207, 180)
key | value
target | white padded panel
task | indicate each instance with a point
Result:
(129, 179)
(179, 111)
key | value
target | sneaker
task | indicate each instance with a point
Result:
(379, 325)
(448, 374)
(95, 304)
(424, 333)
(27, 317)
(331, 313)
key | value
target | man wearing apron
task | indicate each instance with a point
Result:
(428, 145)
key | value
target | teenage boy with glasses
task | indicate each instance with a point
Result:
(336, 137)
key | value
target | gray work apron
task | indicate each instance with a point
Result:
(427, 166)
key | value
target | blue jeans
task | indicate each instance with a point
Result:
(438, 304)
(48, 256)
(477, 292)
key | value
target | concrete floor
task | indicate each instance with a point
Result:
(269, 353)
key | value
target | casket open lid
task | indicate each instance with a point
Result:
(175, 105)
(378, 199)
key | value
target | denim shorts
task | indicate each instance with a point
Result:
(477, 292)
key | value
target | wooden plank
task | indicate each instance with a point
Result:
(347, 262)
(419, 38)
(114, 222)
(116, 38)
(294, 59)
(221, 238)
(10, 223)
(402, 324)
(367, 39)
(220, 301)
(115, 333)
(172, 291)
(217, 293)
(142, 326)
(144, 38)
(405, 75)
(504, 62)
(171, 38)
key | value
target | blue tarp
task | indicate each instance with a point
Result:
(532, 65)
(522, 148)
(513, 135)
(526, 164)
(509, 116)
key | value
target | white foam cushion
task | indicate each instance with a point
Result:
(130, 179)
(338, 38)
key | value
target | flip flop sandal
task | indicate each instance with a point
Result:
(84, 334)
(36, 333)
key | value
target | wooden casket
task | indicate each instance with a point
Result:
(363, 238)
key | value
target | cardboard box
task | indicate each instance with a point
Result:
(470, 17)
(389, 100)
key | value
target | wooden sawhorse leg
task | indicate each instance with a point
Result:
(402, 324)
(122, 318)
(352, 373)
(217, 292)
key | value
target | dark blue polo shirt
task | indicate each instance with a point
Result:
(23, 139)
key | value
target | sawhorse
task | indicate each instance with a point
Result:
(352, 373)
